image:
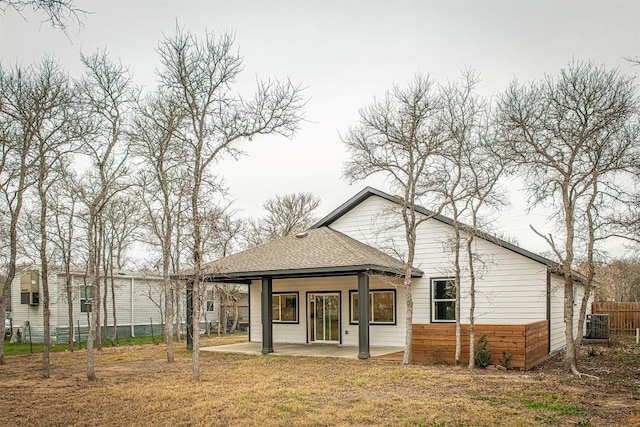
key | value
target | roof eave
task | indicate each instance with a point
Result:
(350, 270)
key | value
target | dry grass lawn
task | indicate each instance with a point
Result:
(137, 386)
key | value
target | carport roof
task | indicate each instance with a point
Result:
(317, 252)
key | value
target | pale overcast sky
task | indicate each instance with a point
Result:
(346, 52)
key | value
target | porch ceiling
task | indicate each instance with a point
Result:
(316, 252)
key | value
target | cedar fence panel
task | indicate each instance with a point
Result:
(624, 317)
(528, 344)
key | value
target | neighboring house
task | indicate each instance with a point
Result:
(139, 304)
(314, 287)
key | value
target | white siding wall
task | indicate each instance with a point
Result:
(144, 308)
(59, 310)
(379, 335)
(558, 323)
(557, 314)
(211, 315)
(255, 319)
(510, 289)
(24, 312)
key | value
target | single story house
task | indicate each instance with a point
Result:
(341, 283)
(139, 305)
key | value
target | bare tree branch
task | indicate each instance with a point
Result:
(60, 14)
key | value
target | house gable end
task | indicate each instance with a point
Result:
(370, 191)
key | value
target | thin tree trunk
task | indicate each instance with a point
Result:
(92, 319)
(588, 288)
(472, 303)
(197, 265)
(178, 311)
(106, 264)
(408, 341)
(176, 268)
(234, 325)
(168, 323)
(44, 261)
(584, 303)
(410, 233)
(97, 298)
(69, 289)
(457, 280)
(13, 241)
(571, 356)
(166, 264)
(114, 336)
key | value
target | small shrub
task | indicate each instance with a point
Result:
(482, 356)
(506, 359)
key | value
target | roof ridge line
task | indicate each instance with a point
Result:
(334, 235)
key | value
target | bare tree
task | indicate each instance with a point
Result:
(285, 215)
(619, 280)
(468, 176)
(107, 94)
(625, 222)
(178, 252)
(16, 167)
(229, 234)
(199, 73)
(53, 93)
(401, 137)
(572, 136)
(64, 202)
(39, 103)
(122, 221)
(228, 295)
(154, 140)
(59, 13)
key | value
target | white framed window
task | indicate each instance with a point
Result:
(211, 300)
(285, 307)
(382, 307)
(443, 300)
(85, 299)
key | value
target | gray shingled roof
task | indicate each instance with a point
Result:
(317, 252)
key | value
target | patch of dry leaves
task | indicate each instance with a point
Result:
(137, 386)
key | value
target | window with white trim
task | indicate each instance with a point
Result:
(85, 299)
(285, 307)
(382, 307)
(211, 300)
(443, 300)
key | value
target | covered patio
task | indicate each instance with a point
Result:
(311, 350)
(316, 253)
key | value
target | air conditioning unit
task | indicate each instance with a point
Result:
(597, 326)
(30, 288)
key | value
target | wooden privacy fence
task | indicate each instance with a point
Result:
(528, 344)
(624, 317)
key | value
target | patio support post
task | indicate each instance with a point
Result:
(363, 316)
(267, 315)
(189, 315)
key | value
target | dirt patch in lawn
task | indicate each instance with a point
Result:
(137, 386)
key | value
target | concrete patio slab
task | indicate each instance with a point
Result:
(310, 350)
